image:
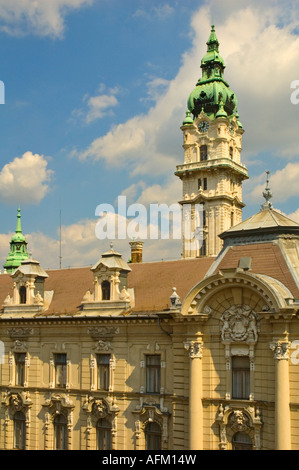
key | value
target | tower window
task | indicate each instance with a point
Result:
(205, 184)
(22, 293)
(105, 290)
(240, 377)
(199, 183)
(231, 152)
(203, 153)
(203, 248)
(232, 219)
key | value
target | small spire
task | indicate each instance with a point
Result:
(267, 194)
(19, 228)
(213, 43)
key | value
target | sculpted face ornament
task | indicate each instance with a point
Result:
(239, 324)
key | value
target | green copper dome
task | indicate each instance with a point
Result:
(18, 248)
(212, 93)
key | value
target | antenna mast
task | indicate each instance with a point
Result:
(60, 251)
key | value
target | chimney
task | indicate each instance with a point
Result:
(136, 252)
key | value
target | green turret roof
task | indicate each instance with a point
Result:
(212, 94)
(18, 248)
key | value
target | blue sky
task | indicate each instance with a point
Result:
(95, 94)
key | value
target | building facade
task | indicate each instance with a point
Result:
(201, 353)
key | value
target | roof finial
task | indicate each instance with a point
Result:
(213, 43)
(267, 194)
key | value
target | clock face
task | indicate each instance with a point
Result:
(203, 126)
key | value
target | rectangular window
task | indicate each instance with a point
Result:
(203, 153)
(103, 363)
(20, 368)
(60, 370)
(205, 184)
(240, 377)
(153, 374)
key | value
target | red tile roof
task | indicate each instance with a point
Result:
(266, 258)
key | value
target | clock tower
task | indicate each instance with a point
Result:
(212, 172)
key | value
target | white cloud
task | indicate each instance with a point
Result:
(25, 179)
(295, 216)
(283, 184)
(80, 246)
(40, 17)
(160, 12)
(98, 106)
(261, 54)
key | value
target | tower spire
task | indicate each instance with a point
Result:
(212, 172)
(213, 43)
(267, 193)
(19, 227)
(18, 248)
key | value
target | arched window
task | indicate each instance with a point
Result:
(103, 435)
(22, 293)
(153, 436)
(19, 430)
(242, 441)
(105, 290)
(203, 153)
(60, 431)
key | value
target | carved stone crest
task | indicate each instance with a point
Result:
(239, 421)
(239, 323)
(99, 409)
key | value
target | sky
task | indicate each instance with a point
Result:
(95, 95)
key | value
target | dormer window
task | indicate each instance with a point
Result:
(105, 290)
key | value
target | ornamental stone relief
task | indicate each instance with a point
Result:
(239, 323)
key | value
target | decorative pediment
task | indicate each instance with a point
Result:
(99, 407)
(237, 419)
(20, 401)
(58, 403)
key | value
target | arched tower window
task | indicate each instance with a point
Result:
(22, 293)
(105, 290)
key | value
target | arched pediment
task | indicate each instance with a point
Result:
(233, 287)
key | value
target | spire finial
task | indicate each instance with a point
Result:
(19, 228)
(267, 193)
(213, 43)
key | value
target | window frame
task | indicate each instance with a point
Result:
(103, 371)
(19, 424)
(240, 377)
(153, 373)
(60, 368)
